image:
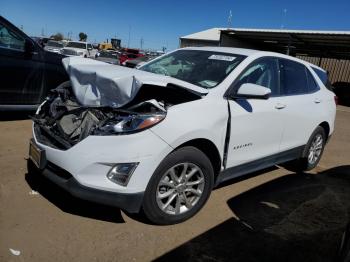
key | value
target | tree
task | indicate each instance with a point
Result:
(57, 36)
(82, 36)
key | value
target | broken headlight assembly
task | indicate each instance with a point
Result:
(129, 124)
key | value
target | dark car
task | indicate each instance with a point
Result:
(134, 62)
(27, 71)
(108, 56)
(344, 253)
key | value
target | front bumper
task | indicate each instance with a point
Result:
(89, 161)
(129, 202)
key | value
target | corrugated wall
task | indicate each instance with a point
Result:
(339, 70)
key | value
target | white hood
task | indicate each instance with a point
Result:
(96, 83)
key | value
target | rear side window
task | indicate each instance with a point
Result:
(293, 77)
(324, 77)
(313, 86)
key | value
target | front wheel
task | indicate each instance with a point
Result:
(179, 187)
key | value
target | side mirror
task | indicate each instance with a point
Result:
(249, 90)
(29, 48)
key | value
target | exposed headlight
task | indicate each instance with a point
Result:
(121, 173)
(130, 124)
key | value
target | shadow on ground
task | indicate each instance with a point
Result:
(70, 204)
(15, 115)
(299, 217)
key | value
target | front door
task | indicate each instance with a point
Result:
(256, 124)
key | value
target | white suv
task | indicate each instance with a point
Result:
(160, 138)
(78, 48)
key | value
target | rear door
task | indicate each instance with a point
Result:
(302, 103)
(256, 124)
(21, 72)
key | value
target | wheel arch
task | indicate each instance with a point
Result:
(209, 149)
(326, 128)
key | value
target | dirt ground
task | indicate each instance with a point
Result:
(274, 215)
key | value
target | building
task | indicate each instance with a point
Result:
(327, 49)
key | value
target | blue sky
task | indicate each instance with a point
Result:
(161, 23)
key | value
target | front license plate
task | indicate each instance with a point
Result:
(35, 154)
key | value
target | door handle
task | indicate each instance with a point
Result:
(317, 101)
(280, 106)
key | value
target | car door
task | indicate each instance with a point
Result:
(21, 67)
(256, 124)
(301, 101)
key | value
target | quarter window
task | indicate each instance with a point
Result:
(10, 40)
(313, 86)
(293, 78)
(324, 77)
(262, 72)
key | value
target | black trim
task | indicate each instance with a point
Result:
(237, 171)
(18, 107)
(128, 202)
(228, 135)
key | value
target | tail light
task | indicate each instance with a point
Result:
(336, 100)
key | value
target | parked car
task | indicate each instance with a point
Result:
(54, 46)
(128, 56)
(78, 48)
(344, 251)
(161, 137)
(108, 56)
(137, 61)
(28, 72)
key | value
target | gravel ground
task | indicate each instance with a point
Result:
(274, 215)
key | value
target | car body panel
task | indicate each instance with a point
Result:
(27, 76)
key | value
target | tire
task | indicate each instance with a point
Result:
(168, 200)
(316, 145)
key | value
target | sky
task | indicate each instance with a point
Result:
(161, 23)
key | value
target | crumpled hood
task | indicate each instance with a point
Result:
(96, 83)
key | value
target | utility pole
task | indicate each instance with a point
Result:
(141, 42)
(284, 18)
(129, 36)
(229, 20)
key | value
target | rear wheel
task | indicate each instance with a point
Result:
(179, 187)
(312, 152)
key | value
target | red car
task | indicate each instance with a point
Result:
(129, 54)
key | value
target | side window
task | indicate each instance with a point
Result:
(293, 78)
(264, 72)
(313, 86)
(10, 40)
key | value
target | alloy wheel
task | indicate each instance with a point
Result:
(180, 188)
(315, 149)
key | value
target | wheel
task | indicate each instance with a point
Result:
(313, 151)
(179, 187)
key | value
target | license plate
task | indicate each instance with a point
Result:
(35, 154)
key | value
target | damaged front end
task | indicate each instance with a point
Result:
(61, 122)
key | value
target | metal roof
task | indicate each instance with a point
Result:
(334, 44)
(212, 34)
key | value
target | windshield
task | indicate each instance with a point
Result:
(77, 45)
(54, 44)
(203, 68)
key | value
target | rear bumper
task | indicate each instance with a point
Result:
(130, 202)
